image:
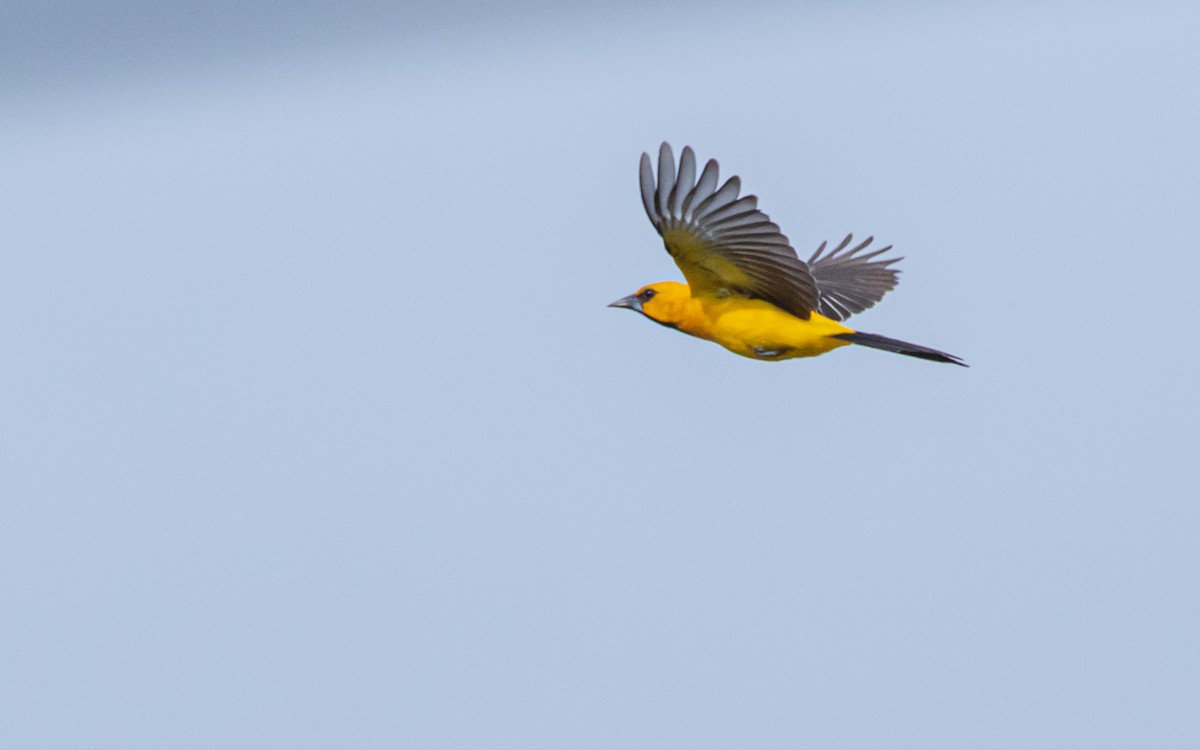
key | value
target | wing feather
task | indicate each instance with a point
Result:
(666, 167)
(850, 280)
(744, 210)
(723, 197)
(704, 186)
(723, 244)
(683, 183)
(646, 180)
(754, 234)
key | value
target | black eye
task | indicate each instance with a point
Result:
(645, 296)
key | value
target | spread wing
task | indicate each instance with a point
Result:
(723, 244)
(850, 282)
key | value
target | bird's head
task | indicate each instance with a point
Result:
(665, 302)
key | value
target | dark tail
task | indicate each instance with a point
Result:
(875, 341)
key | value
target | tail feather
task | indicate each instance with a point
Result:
(875, 341)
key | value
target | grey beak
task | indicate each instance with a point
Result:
(632, 302)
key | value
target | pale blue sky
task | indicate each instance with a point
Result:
(317, 431)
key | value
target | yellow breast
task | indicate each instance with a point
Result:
(759, 330)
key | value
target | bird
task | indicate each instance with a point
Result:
(747, 289)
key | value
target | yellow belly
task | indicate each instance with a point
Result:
(759, 330)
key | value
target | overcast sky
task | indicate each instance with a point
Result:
(316, 431)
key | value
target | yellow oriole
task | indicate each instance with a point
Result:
(746, 289)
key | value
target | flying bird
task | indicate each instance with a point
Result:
(746, 289)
